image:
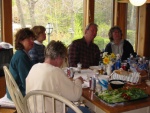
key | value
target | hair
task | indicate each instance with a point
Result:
(38, 30)
(112, 29)
(55, 49)
(91, 24)
(22, 34)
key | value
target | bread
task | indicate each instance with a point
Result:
(122, 72)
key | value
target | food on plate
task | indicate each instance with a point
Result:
(95, 67)
(122, 95)
(122, 72)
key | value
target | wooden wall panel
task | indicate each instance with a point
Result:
(147, 32)
(122, 17)
(91, 8)
(7, 21)
(85, 14)
(141, 30)
(88, 12)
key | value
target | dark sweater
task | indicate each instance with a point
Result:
(127, 50)
(37, 53)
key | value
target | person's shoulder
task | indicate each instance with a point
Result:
(57, 69)
(34, 49)
(35, 46)
(38, 45)
(77, 41)
(109, 44)
(20, 53)
(127, 42)
(95, 45)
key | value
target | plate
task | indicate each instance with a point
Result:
(122, 95)
(95, 67)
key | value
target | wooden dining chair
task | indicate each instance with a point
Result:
(14, 90)
(42, 99)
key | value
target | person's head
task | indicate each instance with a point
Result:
(90, 32)
(115, 33)
(56, 52)
(39, 32)
(24, 39)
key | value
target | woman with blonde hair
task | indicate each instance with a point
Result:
(37, 52)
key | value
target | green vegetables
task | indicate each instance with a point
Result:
(122, 95)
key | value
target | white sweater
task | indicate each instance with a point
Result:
(43, 76)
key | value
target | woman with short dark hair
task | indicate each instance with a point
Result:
(20, 63)
(118, 45)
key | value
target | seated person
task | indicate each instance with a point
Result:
(37, 52)
(83, 50)
(5, 57)
(117, 45)
(49, 76)
(20, 63)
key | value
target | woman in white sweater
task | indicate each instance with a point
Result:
(49, 77)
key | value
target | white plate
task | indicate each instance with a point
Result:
(95, 67)
(74, 69)
(85, 84)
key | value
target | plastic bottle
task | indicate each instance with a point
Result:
(93, 83)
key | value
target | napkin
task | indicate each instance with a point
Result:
(85, 84)
(5, 102)
(85, 74)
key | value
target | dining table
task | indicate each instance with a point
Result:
(138, 106)
(98, 106)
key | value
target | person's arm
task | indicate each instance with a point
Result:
(73, 57)
(108, 48)
(131, 49)
(127, 50)
(23, 67)
(69, 89)
(97, 56)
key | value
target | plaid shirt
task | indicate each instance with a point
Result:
(37, 53)
(80, 52)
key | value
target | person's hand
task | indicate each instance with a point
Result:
(71, 79)
(81, 79)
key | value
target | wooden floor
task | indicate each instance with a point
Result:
(2, 86)
(2, 93)
(5, 110)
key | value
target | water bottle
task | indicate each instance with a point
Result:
(118, 64)
(70, 72)
(93, 83)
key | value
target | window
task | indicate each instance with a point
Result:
(66, 17)
(131, 24)
(103, 18)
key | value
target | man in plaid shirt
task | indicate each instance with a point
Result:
(83, 50)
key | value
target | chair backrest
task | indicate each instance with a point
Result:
(44, 96)
(5, 56)
(14, 90)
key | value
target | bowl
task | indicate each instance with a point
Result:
(148, 82)
(115, 84)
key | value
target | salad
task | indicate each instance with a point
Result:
(122, 95)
